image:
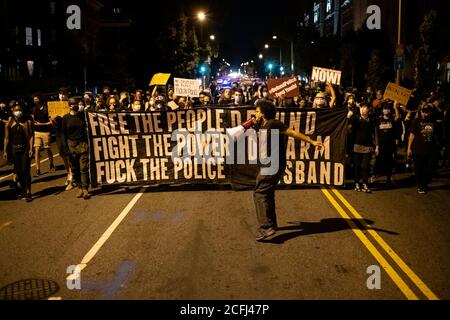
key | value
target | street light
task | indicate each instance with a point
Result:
(274, 37)
(266, 46)
(260, 56)
(201, 16)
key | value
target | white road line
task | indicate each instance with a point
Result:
(97, 246)
(10, 175)
(5, 224)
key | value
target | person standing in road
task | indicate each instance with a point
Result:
(74, 130)
(264, 191)
(19, 135)
(42, 132)
(423, 146)
(363, 138)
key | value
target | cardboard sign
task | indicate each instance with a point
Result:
(397, 93)
(58, 108)
(287, 87)
(186, 87)
(326, 75)
(160, 79)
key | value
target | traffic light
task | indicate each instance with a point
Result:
(202, 69)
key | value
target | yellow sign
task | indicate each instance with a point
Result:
(160, 79)
(58, 108)
(397, 93)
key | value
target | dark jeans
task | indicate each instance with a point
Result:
(384, 162)
(264, 198)
(79, 161)
(424, 167)
(361, 166)
(22, 167)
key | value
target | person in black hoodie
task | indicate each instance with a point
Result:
(74, 130)
(363, 139)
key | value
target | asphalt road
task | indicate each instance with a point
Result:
(175, 243)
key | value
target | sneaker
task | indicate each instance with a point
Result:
(37, 173)
(86, 194)
(365, 188)
(263, 234)
(52, 168)
(421, 191)
(69, 185)
(357, 187)
(28, 197)
(79, 193)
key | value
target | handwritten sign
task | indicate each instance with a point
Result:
(397, 93)
(186, 87)
(58, 108)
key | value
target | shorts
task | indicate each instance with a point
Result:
(42, 139)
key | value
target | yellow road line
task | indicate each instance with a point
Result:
(409, 294)
(406, 269)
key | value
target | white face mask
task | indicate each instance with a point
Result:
(17, 114)
(81, 108)
(136, 107)
(265, 94)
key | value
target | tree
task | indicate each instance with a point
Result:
(377, 71)
(426, 55)
(182, 47)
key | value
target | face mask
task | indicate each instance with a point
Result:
(265, 94)
(74, 108)
(319, 102)
(387, 113)
(136, 108)
(237, 99)
(81, 108)
(17, 114)
(425, 115)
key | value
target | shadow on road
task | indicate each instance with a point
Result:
(48, 192)
(299, 228)
(48, 178)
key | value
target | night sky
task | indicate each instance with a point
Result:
(241, 27)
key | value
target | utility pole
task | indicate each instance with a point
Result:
(398, 53)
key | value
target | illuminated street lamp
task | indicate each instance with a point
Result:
(212, 37)
(266, 46)
(274, 37)
(201, 16)
(260, 56)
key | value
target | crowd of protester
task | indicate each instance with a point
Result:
(376, 127)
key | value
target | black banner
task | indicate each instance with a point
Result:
(194, 147)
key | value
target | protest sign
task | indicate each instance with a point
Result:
(159, 79)
(58, 108)
(397, 93)
(287, 87)
(326, 75)
(186, 87)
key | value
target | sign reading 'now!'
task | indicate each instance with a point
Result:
(326, 75)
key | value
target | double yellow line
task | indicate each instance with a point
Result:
(401, 284)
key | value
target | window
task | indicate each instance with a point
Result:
(30, 66)
(52, 8)
(28, 36)
(328, 6)
(316, 12)
(39, 42)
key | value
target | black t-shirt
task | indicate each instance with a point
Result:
(40, 114)
(277, 128)
(426, 133)
(386, 132)
(74, 127)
